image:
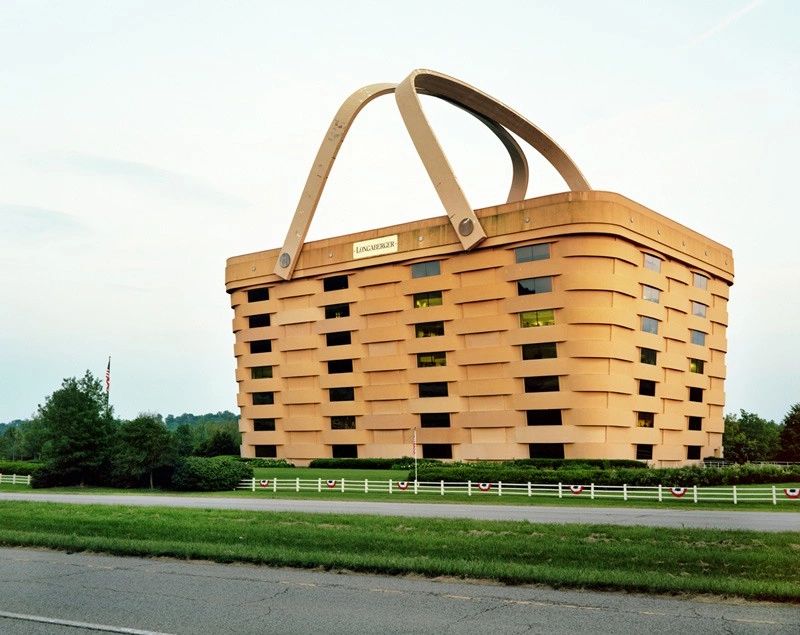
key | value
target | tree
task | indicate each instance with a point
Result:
(142, 446)
(790, 435)
(219, 440)
(77, 429)
(748, 437)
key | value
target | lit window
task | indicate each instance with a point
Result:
(258, 295)
(431, 298)
(342, 394)
(548, 383)
(699, 281)
(261, 372)
(263, 425)
(545, 350)
(645, 420)
(426, 360)
(696, 366)
(336, 366)
(339, 338)
(261, 346)
(346, 422)
(432, 389)
(647, 387)
(529, 286)
(434, 420)
(697, 337)
(335, 283)
(425, 269)
(546, 417)
(429, 329)
(651, 293)
(649, 325)
(648, 356)
(263, 398)
(333, 311)
(257, 321)
(695, 423)
(652, 262)
(693, 452)
(695, 394)
(644, 452)
(542, 317)
(532, 252)
(699, 309)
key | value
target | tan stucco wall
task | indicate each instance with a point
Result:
(596, 260)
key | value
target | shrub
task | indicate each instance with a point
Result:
(360, 464)
(217, 473)
(267, 462)
(19, 467)
(49, 476)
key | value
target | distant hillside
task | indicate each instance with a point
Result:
(224, 416)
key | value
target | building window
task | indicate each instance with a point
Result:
(546, 383)
(696, 366)
(425, 269)
(695, 423)
(647, 387)
(346, 422)
(266, 451)
(652, 262)
(335, 283)
(532, 252)
(429, 298)
(543, 417)
(261, 346)
(651, 294)
(546, 450)
(263, 425)
(542, 317)
(434, 420)
(693, 452)
(342, 394)
(644, 452)
(336, 366)
(344, 451)
(261, 372)
(529, 286)
(433, 389)
(426, 360)
(257, 321)
(649, 325)
(645, 419)
(429, 329)
(339, 338)
(544, 350)
(333, 311)
(437, 451)
(648, 356)
(697, 337)
(699, 309)
(699, 281)
(258, 295)
(263, 398)
(696, 394)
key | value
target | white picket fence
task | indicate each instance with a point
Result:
(15, 479)
(731, 494)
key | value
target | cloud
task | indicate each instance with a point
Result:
(724, 23)
(163, 182)
(23, 222)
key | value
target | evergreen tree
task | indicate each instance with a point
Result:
(790, 435)
(142, 446)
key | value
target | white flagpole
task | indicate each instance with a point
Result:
(415, 454)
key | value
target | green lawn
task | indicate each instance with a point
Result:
(744, 564)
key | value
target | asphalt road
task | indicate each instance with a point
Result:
(758, 521)
(42, 592)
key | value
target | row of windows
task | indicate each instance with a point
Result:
(650, 325)
(654, 264)
(647, 388)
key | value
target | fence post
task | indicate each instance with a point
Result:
(591, 491)
(624, 491)
(529, 489)
(390, 486)
(441, 487)
(415, 486)
(366, 485)
(13, 479)
(469, 488)
(499, 488)
(560, 495)
(695, 493)
(29, 480)
(253, 484)
(297, 484)
(319, 484)
(734, 495)
(343, 486)
(275, 484)
(774, 498)
(659, 493)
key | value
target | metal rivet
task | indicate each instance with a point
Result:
(419, 239)
(284, 260)
(466, 226)
(526, 219)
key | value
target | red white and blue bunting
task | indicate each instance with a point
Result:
(402, 485)
(330, 484)
(576, 489)
(264, 483)
(792, 492)
(677, 492)
(484, 487)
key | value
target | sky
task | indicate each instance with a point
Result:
(144, 142)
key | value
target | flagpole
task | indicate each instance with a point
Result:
(415, 455)
(108, 381)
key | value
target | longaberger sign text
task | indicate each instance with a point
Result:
(375, 247)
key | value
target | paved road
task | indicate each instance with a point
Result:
(170, 596)
(759, 521)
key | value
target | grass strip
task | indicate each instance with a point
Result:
(732, 563)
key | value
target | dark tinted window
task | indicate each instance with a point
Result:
(693, 452)
(648, 356)
(335, 283)
(339, 338)
(261, 372)
(545, 350)
(336, 366)
(695, 394)
(425, 360)
(429, 329)
(433, 389)
(347, 422)
(437, 451)
(263, 425)
(344, 451)
(644, 452)
(257, 321)
(337, 311)
(258, 295)
(266, 451)
(342, 394)
(532, 252)
(645, 419)
(543, 417)
(434, 420)
(529, 286)
(261, 346)
(548, 383)
(546, 450)
(695, 423)
(647, 387)
(425, 269)
(263, 398)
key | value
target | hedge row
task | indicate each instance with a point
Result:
(673, 477)
(18, 467)
(402, 463)
(267, 462)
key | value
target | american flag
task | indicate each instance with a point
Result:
(108, 375)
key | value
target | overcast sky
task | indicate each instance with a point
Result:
(143, 143)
